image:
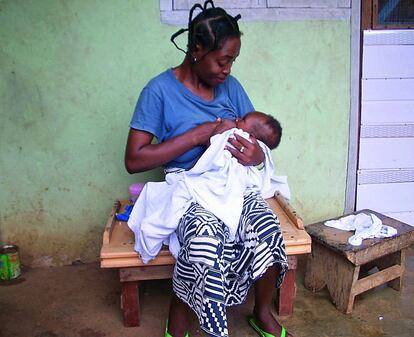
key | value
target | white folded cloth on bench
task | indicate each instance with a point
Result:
(217, 182)
(365, 226)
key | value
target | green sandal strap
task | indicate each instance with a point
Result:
(253, 324)
(167, 334)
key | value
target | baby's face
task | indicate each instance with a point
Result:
(255, 124)
(249, 123)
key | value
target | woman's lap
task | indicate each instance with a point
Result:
(212, 273)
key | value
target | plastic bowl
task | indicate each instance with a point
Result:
(135, 190)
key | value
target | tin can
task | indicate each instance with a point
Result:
(9, 262)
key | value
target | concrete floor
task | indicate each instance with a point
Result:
(84, 300)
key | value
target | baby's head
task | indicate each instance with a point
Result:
(263, 127)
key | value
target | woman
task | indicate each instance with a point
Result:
(183, 107)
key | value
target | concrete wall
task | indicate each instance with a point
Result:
(70, 74)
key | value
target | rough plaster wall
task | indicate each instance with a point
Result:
(71, 72)
(299, 72)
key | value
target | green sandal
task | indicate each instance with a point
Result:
(262, 333)
(167, 334)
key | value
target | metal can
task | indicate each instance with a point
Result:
(9, 262)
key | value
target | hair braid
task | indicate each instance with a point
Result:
(210, 28)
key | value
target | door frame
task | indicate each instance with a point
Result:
(355, 105)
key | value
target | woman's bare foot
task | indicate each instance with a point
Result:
(268, 323)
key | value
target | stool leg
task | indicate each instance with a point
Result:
(285, 296)
(326, 267)
(315, 271)
(130, 303)
(391, 260)
(341, 278)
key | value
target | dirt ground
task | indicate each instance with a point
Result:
(83, 300)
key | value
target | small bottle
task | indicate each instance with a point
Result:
(134, 191)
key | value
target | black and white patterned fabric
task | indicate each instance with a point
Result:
(212, 273)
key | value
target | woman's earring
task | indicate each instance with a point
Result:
(194, 59)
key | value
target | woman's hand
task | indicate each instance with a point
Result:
(203, 132)
(226, 124)
(247, 153)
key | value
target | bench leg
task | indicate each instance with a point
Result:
(130, 277)
(130, 303)
(285, 296)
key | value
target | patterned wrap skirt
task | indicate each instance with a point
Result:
(212, 272)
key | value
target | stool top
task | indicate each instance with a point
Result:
(370, 249)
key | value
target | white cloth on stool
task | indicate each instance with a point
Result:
(365, 226)
(217, 182)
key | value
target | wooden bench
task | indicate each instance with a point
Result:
(118, 252)
(343, 268)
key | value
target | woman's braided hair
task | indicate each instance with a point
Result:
(210, 28)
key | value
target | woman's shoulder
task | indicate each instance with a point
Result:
(161, 81)
(237, 95)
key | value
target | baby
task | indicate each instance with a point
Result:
(258, 124)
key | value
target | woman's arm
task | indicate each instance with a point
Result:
(141, 155)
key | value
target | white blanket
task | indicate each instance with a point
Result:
(217, 182)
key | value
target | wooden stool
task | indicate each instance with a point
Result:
(336, 264)
(118, 252)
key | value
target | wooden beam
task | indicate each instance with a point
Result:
(146, 273)
(290, 212)
(377, 279)
(366, 14)
(109, 224)
(309, 3)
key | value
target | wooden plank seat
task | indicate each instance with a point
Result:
(118, 252)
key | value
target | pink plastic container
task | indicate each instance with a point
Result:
(135, 190)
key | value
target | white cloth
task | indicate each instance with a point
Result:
(217, 182)
(365, 226)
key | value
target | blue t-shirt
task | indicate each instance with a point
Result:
(166, 108)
